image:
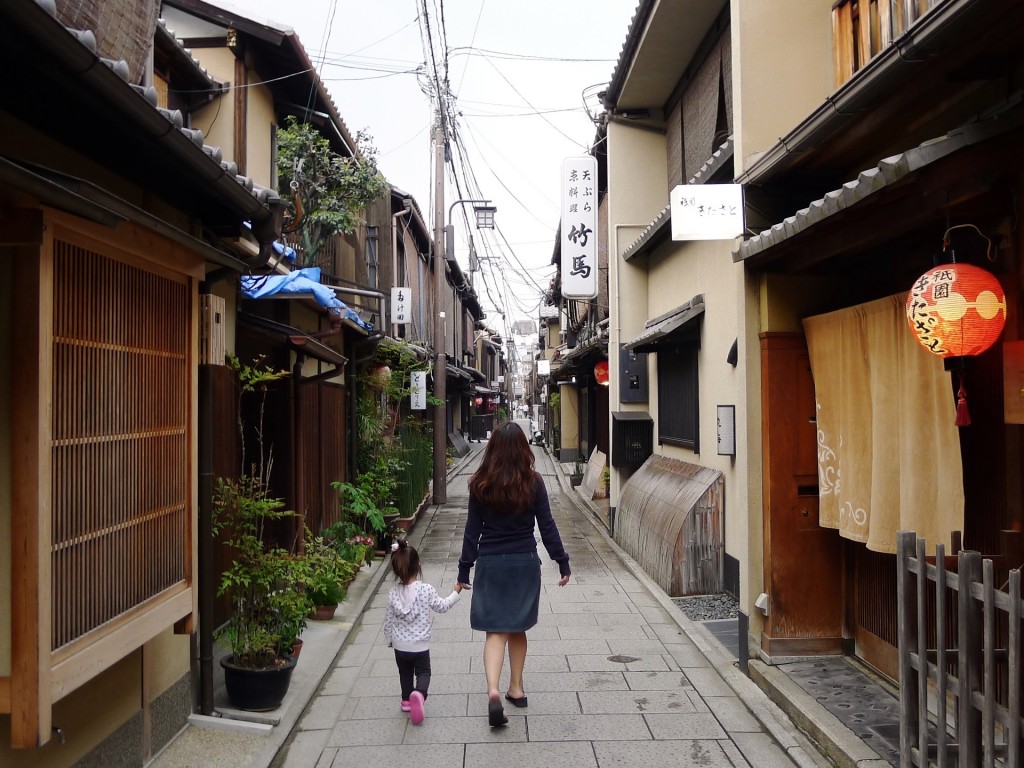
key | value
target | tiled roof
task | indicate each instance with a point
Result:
(87, 39)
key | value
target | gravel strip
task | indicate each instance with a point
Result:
(708, 607)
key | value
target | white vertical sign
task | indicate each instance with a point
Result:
(400, 306)
(418, 393)
(579, 227)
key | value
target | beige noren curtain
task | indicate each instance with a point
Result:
(888, 447)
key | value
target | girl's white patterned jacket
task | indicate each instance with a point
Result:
(407, 623)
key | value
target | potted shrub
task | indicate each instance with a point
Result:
(264, 595)
(327, 576)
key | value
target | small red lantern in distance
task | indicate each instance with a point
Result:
(956, 310)
(601, 372)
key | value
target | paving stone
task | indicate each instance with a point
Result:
(439, 665)
(322, 713)
(686, 655)
(379, 707)
(535, 663)
(635, 702)
(732, 714)
(565, 647)
(354, 733)
(656, 681)
(761, 750)
(588, 728)
(610, 633)
(578, 754)
(464, 730)
(354, 655)
(683, 753)
(595, 608)
(340, 681)
(636, 647)
(541, 703)
(695, 725)
(425, 755)
(305, 749)
(604, 662)
(708, 682)
(568, 620)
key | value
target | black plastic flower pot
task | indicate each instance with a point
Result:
(257, 690)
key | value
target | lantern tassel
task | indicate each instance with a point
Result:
(963, 416)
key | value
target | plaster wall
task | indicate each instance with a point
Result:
(777, 84)
(569, 419)
(637, 192)
(7, 325)
(676, 273)
(217, 120)
(259, 145)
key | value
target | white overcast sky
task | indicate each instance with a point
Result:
(514, 153)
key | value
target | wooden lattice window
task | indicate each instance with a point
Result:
(120, 431)
(861, 29)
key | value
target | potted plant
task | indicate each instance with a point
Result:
(576, 478)
(262, 590)
(327, 574)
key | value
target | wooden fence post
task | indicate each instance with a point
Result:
(970, 658)
(907, 633)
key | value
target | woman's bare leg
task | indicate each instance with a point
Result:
(516, 662)
(494, 660)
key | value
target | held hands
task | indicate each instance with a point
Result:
(564, 580)
(459, 586)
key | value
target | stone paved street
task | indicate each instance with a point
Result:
(612, 677)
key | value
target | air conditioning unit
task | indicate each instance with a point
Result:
(632, 438)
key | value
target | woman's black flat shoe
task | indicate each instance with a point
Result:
(496, 713)
(520, 702)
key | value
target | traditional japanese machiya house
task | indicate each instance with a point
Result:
(900, 149)
(680, 336)
(104, 202)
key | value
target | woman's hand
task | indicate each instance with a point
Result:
(564, 580)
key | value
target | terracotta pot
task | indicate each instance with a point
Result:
(296, 648)
(323, 612)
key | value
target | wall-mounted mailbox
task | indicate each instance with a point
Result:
(632, 438)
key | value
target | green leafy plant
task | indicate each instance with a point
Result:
(327, 571)
(329, 191)
(606, 475)
(262, 582)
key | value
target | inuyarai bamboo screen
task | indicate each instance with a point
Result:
(120, 457)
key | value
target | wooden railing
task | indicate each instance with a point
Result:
(861, 29)
(960, 659)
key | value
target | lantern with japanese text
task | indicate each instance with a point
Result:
(957, 311)
(601, 373)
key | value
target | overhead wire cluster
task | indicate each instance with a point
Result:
(505, 282)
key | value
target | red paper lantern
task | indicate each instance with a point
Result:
(956, 310)
(601, 372)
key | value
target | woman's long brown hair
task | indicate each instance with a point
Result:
(505, 478)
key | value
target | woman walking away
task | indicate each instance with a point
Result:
(506, 499)
(407, 626)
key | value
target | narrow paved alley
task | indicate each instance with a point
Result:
(612, 676)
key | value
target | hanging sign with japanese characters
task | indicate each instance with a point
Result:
(418, 391)
(400, 309)
(579, 227)
(707, 211)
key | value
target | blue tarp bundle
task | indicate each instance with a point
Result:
(302, 281)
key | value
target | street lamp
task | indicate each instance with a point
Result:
(484, 220)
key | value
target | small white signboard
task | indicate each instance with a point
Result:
(543, 367)
(707, 211)
(727, 430)
(401, 309)
(579, 227)
(418, 394)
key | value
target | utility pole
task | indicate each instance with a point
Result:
(440, 361)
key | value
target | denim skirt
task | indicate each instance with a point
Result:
(506, 592)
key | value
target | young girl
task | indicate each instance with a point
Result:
(407, 625)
